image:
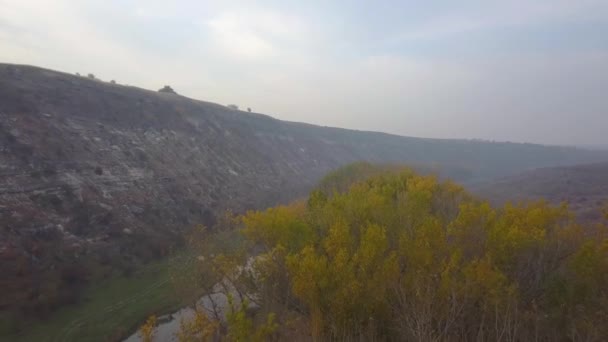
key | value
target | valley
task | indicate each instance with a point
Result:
(583, 187)
(101, 181)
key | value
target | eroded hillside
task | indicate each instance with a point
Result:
(98, 177)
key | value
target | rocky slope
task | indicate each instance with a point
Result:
(96, 177)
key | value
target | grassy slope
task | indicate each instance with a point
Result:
(113, 308)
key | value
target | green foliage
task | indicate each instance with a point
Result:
(342, 178)
(115, 307)
(241, 327)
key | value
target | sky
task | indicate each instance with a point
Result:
(511, 70)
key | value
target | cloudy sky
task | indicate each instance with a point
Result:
(516, 70)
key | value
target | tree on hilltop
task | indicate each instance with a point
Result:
(167, 89)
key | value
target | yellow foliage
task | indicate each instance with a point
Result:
(146, 331)
(199, 329)
(241, 327)
(407, 257)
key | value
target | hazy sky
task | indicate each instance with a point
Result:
(518, 70)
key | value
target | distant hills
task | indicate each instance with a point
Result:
(597, 147)
(97, 177)
(583, 187)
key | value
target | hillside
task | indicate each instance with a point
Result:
(583, 187)
(97, 178)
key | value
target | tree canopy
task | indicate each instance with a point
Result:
(400, 256)
(167, 89)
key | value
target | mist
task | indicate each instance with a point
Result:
(507, 71)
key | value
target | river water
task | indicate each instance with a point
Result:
(170, 324)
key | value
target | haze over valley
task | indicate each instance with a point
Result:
(276, 171)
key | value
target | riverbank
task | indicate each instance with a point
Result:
(112, 309)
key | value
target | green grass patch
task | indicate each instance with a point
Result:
(115, 307)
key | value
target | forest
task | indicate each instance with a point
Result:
(380, 253)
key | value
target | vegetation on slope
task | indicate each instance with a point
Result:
(85, 191)
(110, 309)
(584, 187)
(400, 256)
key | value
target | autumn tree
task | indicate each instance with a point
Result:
(394, 255)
